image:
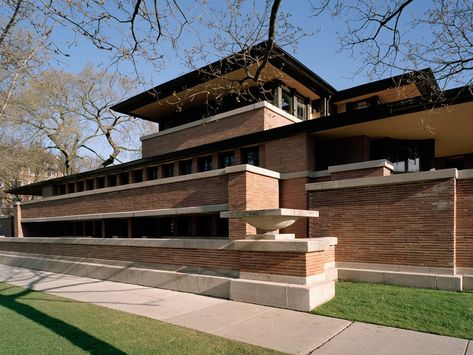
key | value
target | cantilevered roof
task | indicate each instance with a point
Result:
(159, 101)
(453, 129)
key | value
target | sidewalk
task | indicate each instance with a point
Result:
(279, 329)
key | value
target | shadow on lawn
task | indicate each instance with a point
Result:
(74, 335)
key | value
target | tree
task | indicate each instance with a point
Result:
(70, 114)
(405, 35)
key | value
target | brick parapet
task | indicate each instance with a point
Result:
(219, 255)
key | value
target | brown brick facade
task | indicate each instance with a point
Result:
(189, 193)
(274, 263)
(464, 239)
(400, 224)
(295, 153)
(250, 191)
(293, 195)
(213, 131)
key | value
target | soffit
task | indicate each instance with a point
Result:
(450, 126)
(212, 89)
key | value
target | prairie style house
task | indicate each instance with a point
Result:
(388, 165)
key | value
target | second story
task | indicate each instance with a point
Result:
(222, 100)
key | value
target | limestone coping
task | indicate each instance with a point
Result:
(129, 214)
(284, 212)
(223, 115)
(384, 180)
(381, 163)
(170, 180)
(305, 245)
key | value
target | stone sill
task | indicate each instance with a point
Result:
(297, 245)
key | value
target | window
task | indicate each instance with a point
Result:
(301, 108)
(184, 226)
(250, 155)
(101, 182)
(124, 178)
(90, 184)
(112, 180)
(185, 167)
(168, 170)
(286, 101)
(205, 163)
(61, 189)
(152, 172)
(71, 187)
(138, 175)
(365, 103)
(80, 186)
(204, 226)
(226, 159)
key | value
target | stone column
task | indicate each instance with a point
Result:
(18, 229)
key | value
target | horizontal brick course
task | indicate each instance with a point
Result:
(275, 263)
(180, 194)
(401, 224)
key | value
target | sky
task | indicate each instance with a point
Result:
(318, 51)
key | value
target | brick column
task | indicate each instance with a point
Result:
(249, 191)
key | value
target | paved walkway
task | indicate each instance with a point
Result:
(279, 329)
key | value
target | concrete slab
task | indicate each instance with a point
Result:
(146, 301)
(219, 316)
(284, 330)
(368, 339)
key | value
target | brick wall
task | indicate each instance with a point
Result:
(362, 173)
(250, 191)
(399, 224)
(295, 153)
(293, 195)
(196, 192)
(213, 131)
(274, 263)
(464, 246)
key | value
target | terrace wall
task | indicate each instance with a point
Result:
(250, 119)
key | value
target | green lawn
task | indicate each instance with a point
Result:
(432, 311)
(39, 323)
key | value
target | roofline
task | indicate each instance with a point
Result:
(424, 80)
(449, 97)
(282, 59)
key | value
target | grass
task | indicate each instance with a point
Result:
(432, 311)
(38, 323)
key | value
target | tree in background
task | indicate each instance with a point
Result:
(69, 114)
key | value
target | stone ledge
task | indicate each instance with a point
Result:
(296, 245)
(396, 268)
(299, 298)
(384, 180)
(381, 163)
(302, 245)
(128, 214)
(465, 174)
(439, 282)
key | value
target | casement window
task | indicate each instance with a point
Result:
(152, 172)
(138, 175)
(292, 102)
(204, 163)
(185, 167)
(226, 159)
(250, 155)
(124, 178)
(168, 170)
(362, 104)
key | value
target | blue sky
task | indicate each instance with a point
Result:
(319, 51)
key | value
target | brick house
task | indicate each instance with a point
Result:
(388, 165)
